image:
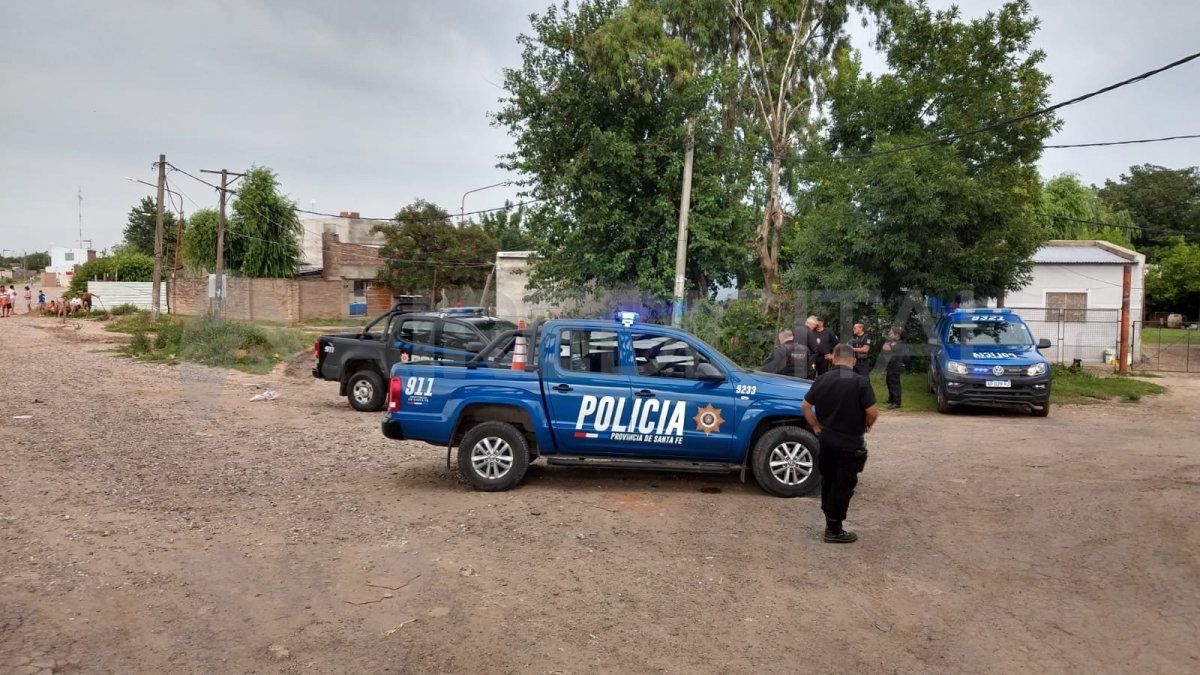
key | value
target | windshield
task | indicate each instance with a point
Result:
(989, 333)
(492, 328)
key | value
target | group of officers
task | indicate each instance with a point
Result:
(840, 405)
(808, 352)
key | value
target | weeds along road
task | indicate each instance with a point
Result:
(152, 520)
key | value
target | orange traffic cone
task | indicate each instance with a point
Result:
(520, 349)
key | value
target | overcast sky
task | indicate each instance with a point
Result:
(367, 105)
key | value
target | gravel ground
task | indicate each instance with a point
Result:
(153, 520)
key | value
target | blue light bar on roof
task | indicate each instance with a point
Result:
(991, 310)
(627, 318)
(464, 310)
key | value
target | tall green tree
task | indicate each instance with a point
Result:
(786, 50)
(1160, 200)
(947, 218)
(424, 251)
(140, 225)
(599, 111)
(1068, 209)
(266, 225)
(199, 248)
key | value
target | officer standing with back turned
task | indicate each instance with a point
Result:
(840, 409)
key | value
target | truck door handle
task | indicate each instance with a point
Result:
(563, 388)
(644, 393)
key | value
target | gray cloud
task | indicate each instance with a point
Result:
(366, 105)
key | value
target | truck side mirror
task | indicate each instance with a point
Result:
(707, 372)
(1044, 343)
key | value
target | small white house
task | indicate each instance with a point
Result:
(1074, 297)
(63, 261)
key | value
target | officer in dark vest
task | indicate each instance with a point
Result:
(860, 342)
(780, 361)
(804, 348)
(840, 409)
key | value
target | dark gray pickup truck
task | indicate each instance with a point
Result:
(359, 361)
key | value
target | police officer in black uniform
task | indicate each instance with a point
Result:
(860, 342)
(840, 409)
(897, 354)
(826, 341)
(804, 348)
(780, 361)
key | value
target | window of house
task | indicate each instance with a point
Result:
(360, 288)
(589, 351)
(1070, 307)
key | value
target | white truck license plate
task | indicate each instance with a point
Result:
(1003, 384)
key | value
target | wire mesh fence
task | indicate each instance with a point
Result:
(1169, 348)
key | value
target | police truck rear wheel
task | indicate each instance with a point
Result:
(493, 456)
(785, 462)
(365, 391)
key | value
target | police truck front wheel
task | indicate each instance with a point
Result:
(943, 402)
(365, 391)
(785, 462)
(1043, 410)
(493, 456)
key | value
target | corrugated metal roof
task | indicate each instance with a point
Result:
(1069, 255)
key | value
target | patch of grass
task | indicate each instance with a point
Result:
(206, 340)
(122, 310)
(1066, 387)
(340, 321)
(1085, 387)
(1160, 335)
(914, 391)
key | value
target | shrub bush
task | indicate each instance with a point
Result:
(122, 310)
(139, 343)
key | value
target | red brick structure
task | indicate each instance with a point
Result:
(357, 262)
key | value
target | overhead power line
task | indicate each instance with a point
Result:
(1130, 142)
(1019, 118)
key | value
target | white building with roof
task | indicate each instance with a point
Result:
(1074, 297)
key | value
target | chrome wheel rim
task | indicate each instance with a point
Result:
(791, 463)
(363, 391)
(492, 457)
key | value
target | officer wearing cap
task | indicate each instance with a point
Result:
(840, 409)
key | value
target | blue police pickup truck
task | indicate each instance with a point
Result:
(606, 393)
(988, 356)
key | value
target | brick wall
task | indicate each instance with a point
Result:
(348, 261)
(379, 299)
(281, 300)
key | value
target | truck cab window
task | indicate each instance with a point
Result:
(589, 351)
(666, 356)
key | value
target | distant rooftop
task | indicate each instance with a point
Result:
(1083, 252)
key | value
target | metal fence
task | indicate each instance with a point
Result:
(1091, 335)
(1175, 349)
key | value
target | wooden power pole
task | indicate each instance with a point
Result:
(156, 292)
(217, 304)
(685, 204)
(1123, 351)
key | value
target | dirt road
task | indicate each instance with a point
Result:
(153, 520)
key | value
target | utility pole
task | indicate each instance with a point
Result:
(1123, 351)
(685, 204)
(158, 238)
(218, 303)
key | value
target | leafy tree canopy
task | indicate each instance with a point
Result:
(1174, 283)
(508, 230)
(424, 251)
(125, 265)
(199, 247)
(946, 218)
(1071, 210)
(140, 225)
(1157, 198)
(599, 110)
(266, 225)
